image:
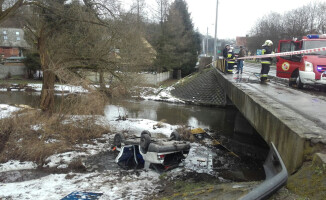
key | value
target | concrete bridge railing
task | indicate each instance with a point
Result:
(274, 122)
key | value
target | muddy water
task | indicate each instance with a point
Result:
(221, 121)
(218, 119)
(212, 118)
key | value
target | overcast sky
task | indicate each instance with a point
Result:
(235, 17)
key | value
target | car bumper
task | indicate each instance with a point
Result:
(152, 157)
(309, 78)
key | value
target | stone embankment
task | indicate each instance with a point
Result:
(201, 88)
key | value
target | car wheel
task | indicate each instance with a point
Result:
(293, 78)
(299, 83)
(291, 82)
(145, 140)
(145, 132)
(175, 136)
(119, 138)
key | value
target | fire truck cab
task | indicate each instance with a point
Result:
(303, 69)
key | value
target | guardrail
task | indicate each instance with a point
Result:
(220, 64)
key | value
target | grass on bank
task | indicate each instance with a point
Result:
(19, 80)
(31, 135)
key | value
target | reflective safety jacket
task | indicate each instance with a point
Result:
(266, 50)
(231, 57)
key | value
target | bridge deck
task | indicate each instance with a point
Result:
(294, 120)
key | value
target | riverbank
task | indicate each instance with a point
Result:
(84, 168)
(90, 166)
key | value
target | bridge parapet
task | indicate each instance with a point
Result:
(295, 136)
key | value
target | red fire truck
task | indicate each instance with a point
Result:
(303, 69)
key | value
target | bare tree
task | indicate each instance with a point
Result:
(163, 7)
(9, 7)
(308, 19)
(74, 38)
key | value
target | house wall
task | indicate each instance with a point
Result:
(15, 69)
(8, 51)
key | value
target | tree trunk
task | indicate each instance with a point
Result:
(47, 94)
(102, 81)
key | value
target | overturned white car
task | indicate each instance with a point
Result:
(144, 151)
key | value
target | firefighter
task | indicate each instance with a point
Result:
(266, 62)
(242, 53)
(225, 56)
(231, 61)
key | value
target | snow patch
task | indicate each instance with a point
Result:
(60, 88)
(110, 183)
(159, 94)
(6, 110)
(16, 165)
(136, 126)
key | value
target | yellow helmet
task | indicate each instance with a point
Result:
(268, 43)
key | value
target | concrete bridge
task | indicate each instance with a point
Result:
(294, 120)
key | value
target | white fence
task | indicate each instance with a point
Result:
(143, 78)
(154, 79)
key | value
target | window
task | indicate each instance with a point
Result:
(5, 32)
(312, 44)
(17, 33)
(285, 47)
(18, 38)
(5, 37)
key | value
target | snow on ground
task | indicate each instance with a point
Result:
(114, 184)
(16, 165)
(110, 183)
(60, 88)
(159, 94)
(6, 110)
(134, 125)
(62, 160)
(118, 184)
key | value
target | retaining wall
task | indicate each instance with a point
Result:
(271, 120)
(15, 69)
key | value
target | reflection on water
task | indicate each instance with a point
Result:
(219, 120)
(176, 114)
(27, 98)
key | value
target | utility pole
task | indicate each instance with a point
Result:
(207, 43)
(138, 12)
(215, 37)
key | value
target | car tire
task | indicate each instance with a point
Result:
(118, 139)
(145, 132)
(175, 136)
(299, 83)
(291, 82)
(145, 140)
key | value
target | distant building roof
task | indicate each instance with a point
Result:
(12, 37)
(241, 41)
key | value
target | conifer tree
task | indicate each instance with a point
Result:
(178, 45)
